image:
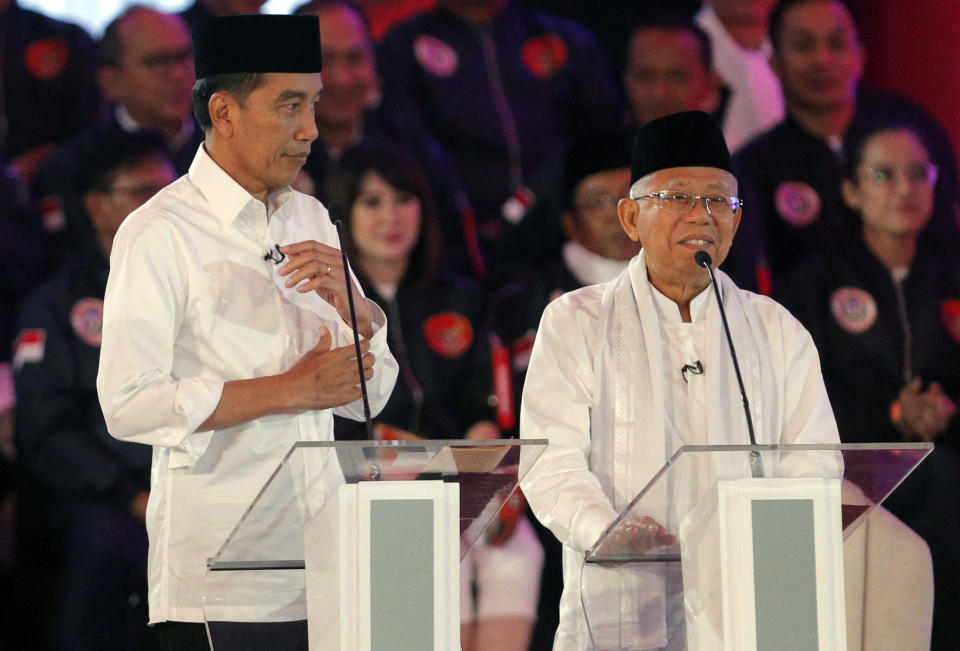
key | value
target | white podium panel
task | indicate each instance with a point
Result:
(382, 568)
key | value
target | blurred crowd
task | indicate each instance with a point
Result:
(478, 149)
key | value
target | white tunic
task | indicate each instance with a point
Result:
(597, 385)
(190, 304)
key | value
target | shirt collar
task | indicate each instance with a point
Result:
(130, 125)
(228, 199)
(588, 267)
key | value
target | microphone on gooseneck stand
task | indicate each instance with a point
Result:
(704, 260)
(336, 213)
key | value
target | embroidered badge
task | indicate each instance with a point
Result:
(544, 55)
(46, 58)
(29, 346)
(52, 215)
(520, 350)
(518, 204)
(435, 56)
(797, 203)
(854, 309)
(950, 313)
(86, 317)
(448, 333)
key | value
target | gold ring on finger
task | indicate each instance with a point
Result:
(329, 269)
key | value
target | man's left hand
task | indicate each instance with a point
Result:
(313, 266)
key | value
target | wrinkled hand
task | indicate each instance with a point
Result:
(926, 414)
(637, 536)
(327, 377)
(313, 266)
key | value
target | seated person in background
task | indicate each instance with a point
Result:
(737, 30)
(884, 310)
(669, 69)
(502, 87)
(439, 337)
(349, 112)
(606, 383)
(791, 174)
(146, 71)
(47, 85)
(87, 491)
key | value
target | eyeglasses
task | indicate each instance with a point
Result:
(597, 203)
(915, 173)
(717, 205)
(165, 60)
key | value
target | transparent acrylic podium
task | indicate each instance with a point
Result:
(738, 548)
(363, 540)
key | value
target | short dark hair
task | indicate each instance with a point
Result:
(775, 24)
(860, 132)
(109, 48)
(238, 84)
(674, 22)
(111, 151)
(313, 6)
(400, 169)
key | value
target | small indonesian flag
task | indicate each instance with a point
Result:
(29, 347)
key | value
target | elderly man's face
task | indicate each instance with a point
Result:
(154, 75)
(349, 72)
(666, 74)
(820, 60)
(671, 239)
(269, 135)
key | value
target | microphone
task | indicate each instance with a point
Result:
(275, 255)
(703, 259)
(696, 368)
(336, 214)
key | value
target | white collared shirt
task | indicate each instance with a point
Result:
(588, 267)
(756, 97)
(190, 304)
(130, 125)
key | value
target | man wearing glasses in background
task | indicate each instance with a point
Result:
(624, 373)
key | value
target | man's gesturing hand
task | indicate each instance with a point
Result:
(318, 267)
(327, 377)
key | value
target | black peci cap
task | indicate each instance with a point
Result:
(688, 139)
(256, 43)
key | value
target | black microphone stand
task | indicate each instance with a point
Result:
(703, 259)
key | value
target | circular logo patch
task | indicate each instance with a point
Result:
(797, 203)
(86, 317)
(854, 309)
(950, 313)
(435, 56)
(46, 58)
(544, 55)
(448, 333)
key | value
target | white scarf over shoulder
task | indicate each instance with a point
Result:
(606, 424)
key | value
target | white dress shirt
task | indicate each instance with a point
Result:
(756, 98)
(190, 304)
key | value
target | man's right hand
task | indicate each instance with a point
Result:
(327, 377)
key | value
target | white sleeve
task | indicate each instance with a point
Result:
(385, 368)
(558, 391)
(144, 305)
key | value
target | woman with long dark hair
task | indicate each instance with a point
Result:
(439, 336)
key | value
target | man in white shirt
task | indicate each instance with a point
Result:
(607, 381)
(741, 56)
(214, 353)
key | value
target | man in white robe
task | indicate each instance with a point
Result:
(606, 383)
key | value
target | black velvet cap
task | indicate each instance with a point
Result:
(256, 43)
(688, 139)
(594, 152)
